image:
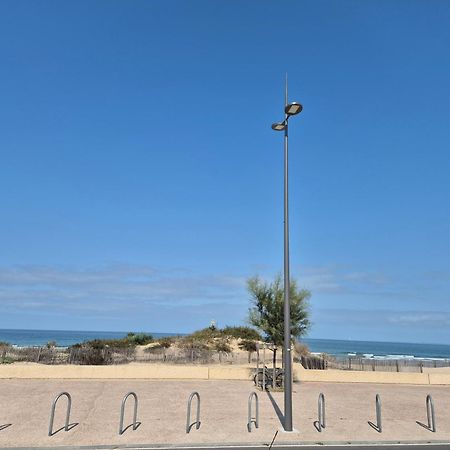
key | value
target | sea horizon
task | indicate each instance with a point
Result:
(334, 347)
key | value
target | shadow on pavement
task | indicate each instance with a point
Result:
(136, 425)
(423, 425)
(276, 408)
(375, 427)
(71, 425)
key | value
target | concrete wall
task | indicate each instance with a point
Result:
(185, 372)
(439, 378)
(138, 371)
(230, 373)
(144, 371)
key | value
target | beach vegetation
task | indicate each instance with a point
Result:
(154, 348)
(236, 332)
(4, 347)
(194, 349)
(130, 340)
(222, 346)
(267, 309)
(166, 342)
(205, 334)
(107, 351)
(301, 349)
(6, 360)
(139, 338)
(242, 332)
(102, 352)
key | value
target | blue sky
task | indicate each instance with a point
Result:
(141, 183)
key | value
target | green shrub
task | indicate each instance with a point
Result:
(6, 360)
(188, 342)
(139, 339)
(206, 334)
(242, 332)
(131, 340)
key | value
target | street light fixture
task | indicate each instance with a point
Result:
(278, 126)
(290, 109)
(293, 108)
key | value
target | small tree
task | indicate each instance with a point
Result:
(248, 346)
(267, 311)
(221, 346)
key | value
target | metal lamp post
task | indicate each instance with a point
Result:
(290, 109)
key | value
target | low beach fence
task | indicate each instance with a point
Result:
(123, 355)
(112, 355)
(313, 362)
(194, 356)
(413, 365)
(386, 365)
(59, 355)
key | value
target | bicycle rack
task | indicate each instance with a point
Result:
(263, 387)
(378, 408)
(52, 415)
(321, 411)
(122, 410)
(250, 419)
(430, 414)
(188, 419)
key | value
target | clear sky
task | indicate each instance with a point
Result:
(141, 183)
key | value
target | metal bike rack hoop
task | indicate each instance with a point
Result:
(250, 419)
(430, 414)
(321, 412)
(188, 419)
(52, 414)
(122, 411)
(378, 408)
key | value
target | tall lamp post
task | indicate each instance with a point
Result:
(290, 109)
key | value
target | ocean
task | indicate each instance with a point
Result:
(383, 350)
(37, 338)
(338, 348)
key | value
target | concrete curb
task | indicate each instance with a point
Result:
(259, 445)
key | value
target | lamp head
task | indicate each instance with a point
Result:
(279, 126)
(293, 108)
